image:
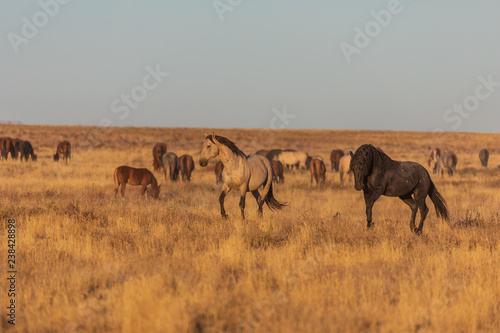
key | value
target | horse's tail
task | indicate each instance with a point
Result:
(454, 161)
(184, 167)
(439, 202)
(271, 201)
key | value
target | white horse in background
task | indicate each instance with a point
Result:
(289, 159)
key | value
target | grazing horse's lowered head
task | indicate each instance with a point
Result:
(361, 163)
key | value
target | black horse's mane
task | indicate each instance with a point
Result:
(228, 143)
(376, 157)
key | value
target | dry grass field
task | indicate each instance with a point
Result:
(88, 262)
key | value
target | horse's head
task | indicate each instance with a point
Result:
(209, 150)
(360, 166)
(156, 191)
(56, 157)
(34, 157)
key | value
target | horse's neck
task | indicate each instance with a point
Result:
(154, 183)
(230, 160)
(380, 159)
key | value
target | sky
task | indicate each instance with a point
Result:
(412, 65)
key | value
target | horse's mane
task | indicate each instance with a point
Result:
(376, 155)
(228, 143)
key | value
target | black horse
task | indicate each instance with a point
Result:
(377, 174)
(26, 150)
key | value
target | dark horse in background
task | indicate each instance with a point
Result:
(377, 174)
(26, 150)
(63, 148)
(484, 155)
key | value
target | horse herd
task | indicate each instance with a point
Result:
(374, 173)
(23, 148)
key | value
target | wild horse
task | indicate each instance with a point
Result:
(377, 174)
(245, 173)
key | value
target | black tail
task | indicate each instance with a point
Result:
(271, 201)
(184, 167)
(439, 202)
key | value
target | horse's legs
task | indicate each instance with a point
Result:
(242, 206)
(122, 189)
(370, 198)
(224, 192)
(116, 188)
(407, 199)
(423, 214)
(259, 200)
(144, 193)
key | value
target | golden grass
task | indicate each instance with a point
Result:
(90, 263)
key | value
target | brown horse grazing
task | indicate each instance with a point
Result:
(219, 167)
(318, 170)
(187, 166)
(484, 155)
(335, 156)
(377, 174)
(7, 145)
(158, 150)
(127, 175)
(278, 172)
(63, 148)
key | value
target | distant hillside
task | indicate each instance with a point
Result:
(13, 122)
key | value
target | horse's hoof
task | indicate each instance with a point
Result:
(225, 216)
(417, 231)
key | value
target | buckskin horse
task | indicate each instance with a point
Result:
(377, 174)
(241, 172)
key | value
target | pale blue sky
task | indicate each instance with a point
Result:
(264, 55)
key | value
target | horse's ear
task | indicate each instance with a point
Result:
(214, 139)
(350, 152)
